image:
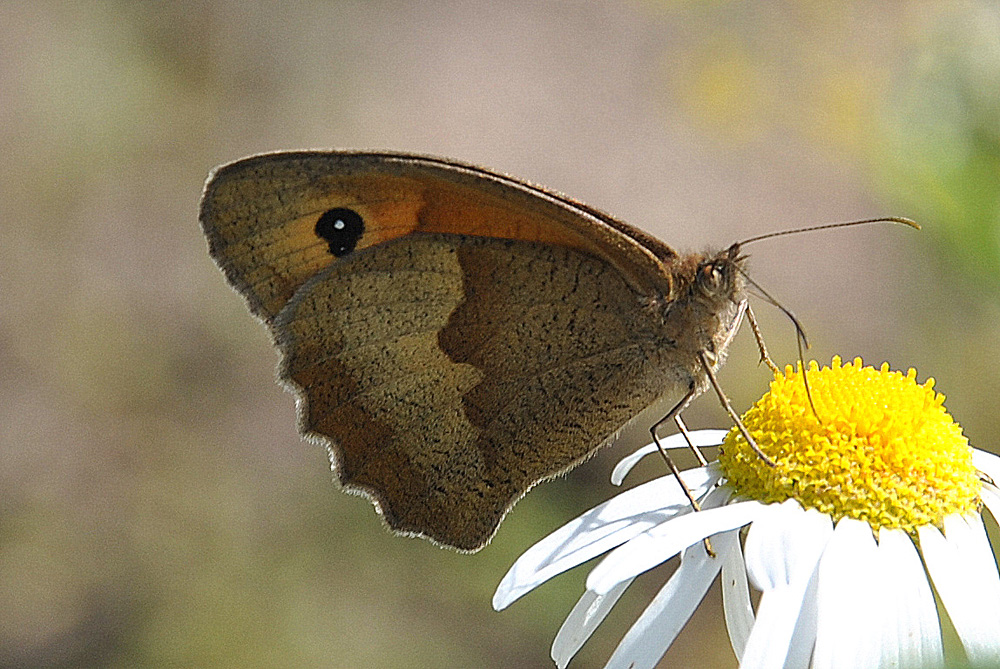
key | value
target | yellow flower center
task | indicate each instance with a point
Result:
(883, 450)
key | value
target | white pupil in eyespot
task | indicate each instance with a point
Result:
(339, 225)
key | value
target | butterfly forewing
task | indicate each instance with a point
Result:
(260, 215)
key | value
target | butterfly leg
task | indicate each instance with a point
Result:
(703, 357)
(682, 428)
(755, 327)
(675, 414)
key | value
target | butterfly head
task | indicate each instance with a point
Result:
(704, 306)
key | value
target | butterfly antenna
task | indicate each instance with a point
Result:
(799, 330)
(800, 333)
(828, 226)
(805, 380)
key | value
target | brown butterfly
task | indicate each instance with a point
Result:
(454, 336)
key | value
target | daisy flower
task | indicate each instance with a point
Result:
(869, 506)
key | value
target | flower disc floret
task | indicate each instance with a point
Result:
(879, 447)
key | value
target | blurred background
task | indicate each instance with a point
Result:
(157, 507)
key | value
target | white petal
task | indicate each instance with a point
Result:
(666, 540)
(987, 463)
(784, 630)
(973, 544)
(912, 633)
(599, 530)
(961, 565)
(785, 540)
(848, 601)
(783, 550)
(991, 498)
(589, 612)
(651, 635)
(735, 590)
(804, 634)
(700, 438)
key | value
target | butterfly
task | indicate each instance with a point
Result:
(453, 336)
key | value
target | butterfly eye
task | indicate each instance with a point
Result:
(712, 279)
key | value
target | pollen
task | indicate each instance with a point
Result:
(879, 447)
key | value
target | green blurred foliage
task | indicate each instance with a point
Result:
(157, 507)
(939, 148)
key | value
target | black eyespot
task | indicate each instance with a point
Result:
(341, 229)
